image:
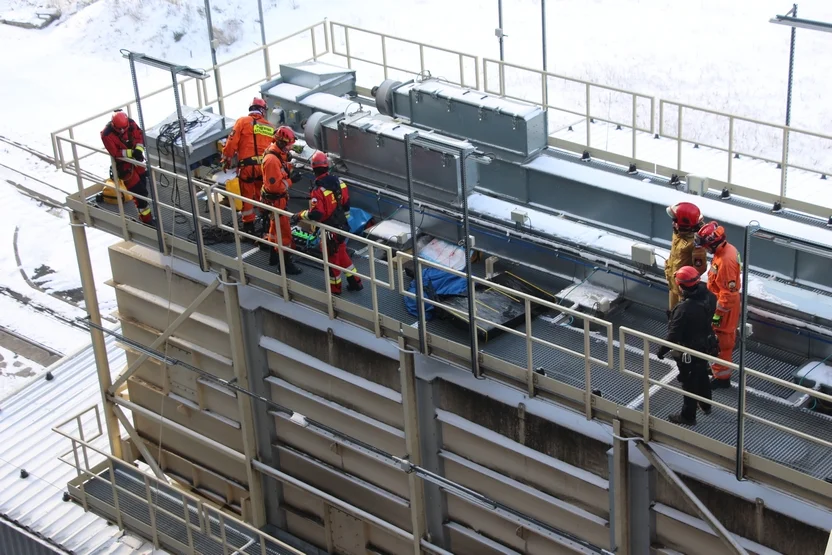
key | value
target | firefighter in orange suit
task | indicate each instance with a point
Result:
(248, 141)
(275, 192)
(724, 282)
(329, 204)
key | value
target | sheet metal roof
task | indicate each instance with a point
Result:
(28, 442)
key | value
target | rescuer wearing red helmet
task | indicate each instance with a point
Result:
(276, 183)
(329, 204)
(724, 282)
(690, 326)
(123, 139)
(248, 141)
(683, 252)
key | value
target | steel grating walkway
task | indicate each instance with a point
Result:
(170, 500)
(769, 403)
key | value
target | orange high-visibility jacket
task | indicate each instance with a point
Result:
(724, 278)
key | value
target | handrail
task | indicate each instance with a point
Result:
(218, 215)
(206, 514)
(733, 151)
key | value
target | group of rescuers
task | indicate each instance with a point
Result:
(265, 172)
(702, 318)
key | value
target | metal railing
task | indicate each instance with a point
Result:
(217, 214)
(466, 65)
(317, 35)
(521, 73)
(211, 522)
(727, 124)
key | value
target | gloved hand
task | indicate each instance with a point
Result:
(716, 321)
(294, 219)
(347, 214)
(663, 351)
(225, 164)
(296, 176)
(138, 153)
(297, 148)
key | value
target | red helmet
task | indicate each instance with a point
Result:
(319, 160)
(710, 236)
(258, 104)
(686, 276)
(284, 134)
(120, 121)
(685, 215)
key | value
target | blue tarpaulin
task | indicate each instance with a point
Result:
(358, 220)
(435, 283)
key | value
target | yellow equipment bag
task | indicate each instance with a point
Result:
(232, 186)
(108, 195)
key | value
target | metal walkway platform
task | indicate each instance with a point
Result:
(205, 531)
(764, 399)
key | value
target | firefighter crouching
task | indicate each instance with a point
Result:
(249, 139)
(330, 204)
(275, 192)
(687, 219)
(690, 326)
(123, 139)
(724, 282)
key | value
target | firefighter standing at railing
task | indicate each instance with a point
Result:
(683, 251)
(276, 183)
(123, 139)
(329, 204)
(690, 326)
(249, 139)
(724, 282)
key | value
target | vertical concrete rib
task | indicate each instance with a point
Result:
(641, 492)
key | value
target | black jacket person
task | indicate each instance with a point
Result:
(690, 326)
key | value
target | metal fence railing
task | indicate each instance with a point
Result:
(385, 274)
(200, 521)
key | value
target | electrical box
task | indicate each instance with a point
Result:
(519, 216)
(204, 130)
(643, 254)
(696, 185)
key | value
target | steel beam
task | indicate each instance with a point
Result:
(407, 372)
(184, 430)
(621, 485)
(244, 404)
(140, 445)
(726, 536)
(165, 335)
(99, 348)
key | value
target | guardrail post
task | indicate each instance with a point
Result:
(730, 147)
(417, 268)
(411, 431)
(679, 142)
(621, 482)
(635, 108)
(746, 250)
(98, 345)
(587, 371)
(588, 119)
(529, 349)
(266, 60)
(646, 403)
(784, 161)
(347, 42)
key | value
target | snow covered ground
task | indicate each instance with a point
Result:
(723, 56)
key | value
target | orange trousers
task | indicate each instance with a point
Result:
(250, 183)
(726, 334)
(285, 227)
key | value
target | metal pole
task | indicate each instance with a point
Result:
(200, 247)
(621, 484)
(746, 249)
(99, 348)
(785, 168)
(411, 432)
(213, 44)
(151, 186)
(263, 38)
(500, 23)
(472, 315)
(543, 22)
(420, 301)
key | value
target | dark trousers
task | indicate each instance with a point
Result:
(694, 378)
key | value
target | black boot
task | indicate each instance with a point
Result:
(679, 418)
(248, 227)
(720, 384)
(292, 269)
(354, 284)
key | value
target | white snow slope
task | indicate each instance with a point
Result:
(710, 53)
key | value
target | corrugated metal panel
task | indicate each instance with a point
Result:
(18, 541)
(28, 442)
